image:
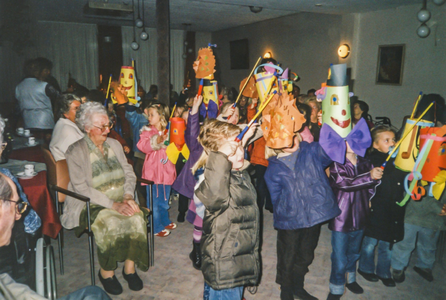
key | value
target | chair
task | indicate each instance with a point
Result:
(57, 175)
(150, 239)
(45, 270)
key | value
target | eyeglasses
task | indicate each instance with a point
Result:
(21, 206)
(4, 145)
(109, 126)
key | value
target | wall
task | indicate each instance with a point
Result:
(305, 42)
(424, 64)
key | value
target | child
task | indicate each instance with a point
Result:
(385, 225)
(228, 113)
(230, 242)
(157, 167)
(353, 184)
(302, 200)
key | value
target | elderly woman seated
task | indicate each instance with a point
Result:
(65, 132)
(99, 170)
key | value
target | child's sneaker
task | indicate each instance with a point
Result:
(171, 226)
(163, 233)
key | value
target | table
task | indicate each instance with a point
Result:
(37, 191)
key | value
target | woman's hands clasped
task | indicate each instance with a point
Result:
(126, 208)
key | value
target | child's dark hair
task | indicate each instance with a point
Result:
(305, 109)
(380, 129)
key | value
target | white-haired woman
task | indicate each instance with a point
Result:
(99, 170)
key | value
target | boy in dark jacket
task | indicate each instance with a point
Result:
(385, 224)
(302, 200)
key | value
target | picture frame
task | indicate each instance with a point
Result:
(239, 54)
(390, 64)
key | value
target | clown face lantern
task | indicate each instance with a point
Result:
(335, 100)
(127, 81)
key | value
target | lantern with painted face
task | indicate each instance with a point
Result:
(177, 144)
(127, 80)
(336, 101)
(177, 129)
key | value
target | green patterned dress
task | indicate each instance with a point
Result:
(118, 237)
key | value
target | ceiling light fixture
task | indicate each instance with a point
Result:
(134, 45)
(138, 22)
(255, 9)
(144, 35)
(423, 16)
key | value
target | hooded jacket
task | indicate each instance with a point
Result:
(230, 241)
(301, 198)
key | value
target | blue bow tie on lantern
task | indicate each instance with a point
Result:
(334, 145)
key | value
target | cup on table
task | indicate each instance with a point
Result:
(31, 140)
(29, 170)
(26, 132)
(20, 130)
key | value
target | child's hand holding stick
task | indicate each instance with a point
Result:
(376, 173)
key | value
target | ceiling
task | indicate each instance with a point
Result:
(207, 15)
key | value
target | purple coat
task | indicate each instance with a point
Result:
(353, 187)
(185, 182)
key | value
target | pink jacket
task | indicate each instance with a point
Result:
(157, 167)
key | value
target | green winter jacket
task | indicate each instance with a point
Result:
(230, 241)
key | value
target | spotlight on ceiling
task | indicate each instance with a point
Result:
(255, 9)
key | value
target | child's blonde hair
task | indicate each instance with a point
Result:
(163, 111)
(213, 135)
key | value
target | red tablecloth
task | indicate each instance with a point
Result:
(30, 154)
(40, 199)
(37, 192)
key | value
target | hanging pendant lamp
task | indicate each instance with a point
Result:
(144, 35)
(134, 45)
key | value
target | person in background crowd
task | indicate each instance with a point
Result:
(66, 131)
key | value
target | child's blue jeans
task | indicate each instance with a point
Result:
(235, 293)
(346, 246)
(160, 198)
(367, 259)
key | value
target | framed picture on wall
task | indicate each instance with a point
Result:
(390, 64)
(239, 54)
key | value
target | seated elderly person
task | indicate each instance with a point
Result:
(66, 131)
(99, 170)
(11, 209)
